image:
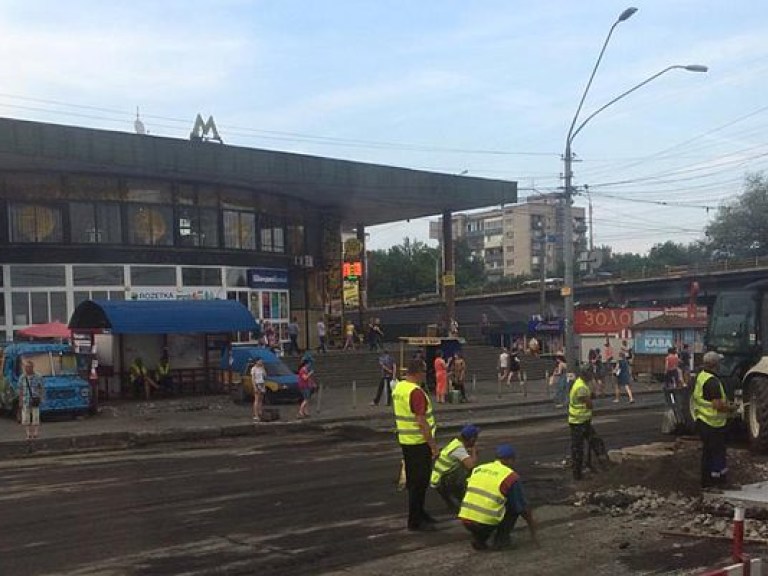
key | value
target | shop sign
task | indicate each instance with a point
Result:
(653, 341)
(177, 294)
(268, 278)
(555, 326)
(602, 320)
(351, 294)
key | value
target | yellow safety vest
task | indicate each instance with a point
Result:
(484, 502)
(137, 371)
(445, 462)
(408, 431)
(163, 369)
(578, 411)
(703, 409)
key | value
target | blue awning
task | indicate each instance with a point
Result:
(162, 317)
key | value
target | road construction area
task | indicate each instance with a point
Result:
(323, 500)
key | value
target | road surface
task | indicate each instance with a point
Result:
(312, 503)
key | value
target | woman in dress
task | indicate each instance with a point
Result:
(441, 377)
(258, 378)
(305, 387)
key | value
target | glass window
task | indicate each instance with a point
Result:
(296, 239)
(2, 308)
(201, 277)
(99, 295)
(95, 223)
(198, 226)
(150, 225)
(272, 234)
(236, 277)
(81, 297)
(20, 307)
(59, 307)
(153, 276)
(117, 295)
(35, 223)
(97, 275)
(39, 307)
(239, 230)
(37, 276)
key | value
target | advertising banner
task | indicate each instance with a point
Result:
(654, 341)
(268, 278)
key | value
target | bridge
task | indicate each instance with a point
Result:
(672, 287)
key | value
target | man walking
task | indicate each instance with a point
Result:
(710, 407)
(580, 420)
(321, 336)
(453, 465)
(31, 394)
(416, 426)
(504, 365)
(387, 365)
(293, 334)
(494, 501)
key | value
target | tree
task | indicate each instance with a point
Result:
(739, 225)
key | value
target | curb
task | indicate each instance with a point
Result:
(129, 440)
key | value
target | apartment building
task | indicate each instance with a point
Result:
(517, 240)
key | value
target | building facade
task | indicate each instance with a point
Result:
(517, 240)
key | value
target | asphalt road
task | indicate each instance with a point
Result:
(314, 503)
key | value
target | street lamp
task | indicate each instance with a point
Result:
(568, 256)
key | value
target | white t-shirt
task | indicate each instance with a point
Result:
(258, 375)
(504, 360)
(321, 328)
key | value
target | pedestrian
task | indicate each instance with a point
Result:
(685, 365)
(293, 335)
(630, 356)
(349, 336)
(608, 360)
(321, 336)
(623, 378)
(515, 367)
(378, 335)
(533, 346)
(671, 365)
(504, 365)
(453, 465)
(597, 370)
(388, 370)
(493, 502)
(460, 375)
(559, 380)
(140, 379)
(711, 408)
(580, 421)
(258, 379)
(441, 377)
(309, 360)
(485, 328)
(31, 396)
(370, 335)
(163, 372)
(306, 384)
(415, 424)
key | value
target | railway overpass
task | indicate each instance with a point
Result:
(673, 288)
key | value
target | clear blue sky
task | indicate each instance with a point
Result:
(487, 86)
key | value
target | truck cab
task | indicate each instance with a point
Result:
(56, 364)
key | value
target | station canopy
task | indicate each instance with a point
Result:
(356, 192)
(162, 317)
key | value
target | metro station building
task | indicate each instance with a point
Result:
(93, 214)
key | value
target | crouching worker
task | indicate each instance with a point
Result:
(493, 502)
(453, 465)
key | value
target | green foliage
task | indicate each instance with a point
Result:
(739, 226)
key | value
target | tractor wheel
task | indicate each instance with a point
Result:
(757, 414)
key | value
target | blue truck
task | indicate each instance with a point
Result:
(56, 364)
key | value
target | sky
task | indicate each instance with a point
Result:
(487, 88)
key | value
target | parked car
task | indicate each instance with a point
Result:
(56, 364)
(282, 383)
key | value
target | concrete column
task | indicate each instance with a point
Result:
(449, 287)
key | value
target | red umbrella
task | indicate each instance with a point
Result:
(50, 330)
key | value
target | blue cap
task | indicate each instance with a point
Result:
(505, 451)
(470, 431)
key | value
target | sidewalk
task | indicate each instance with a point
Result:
(124, 424)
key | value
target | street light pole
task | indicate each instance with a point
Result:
(568, 256)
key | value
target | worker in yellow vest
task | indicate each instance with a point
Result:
(453, 465)
(580, 420)
(493, 502)
(164, 378)
(415, 424)
(710, 407)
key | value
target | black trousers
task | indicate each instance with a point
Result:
(580, 434)
(714, 465)
(501, 532)
(294, 345)
(453, 487)
(418, 469)
(385, 382)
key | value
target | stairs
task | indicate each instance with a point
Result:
(337, 369)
